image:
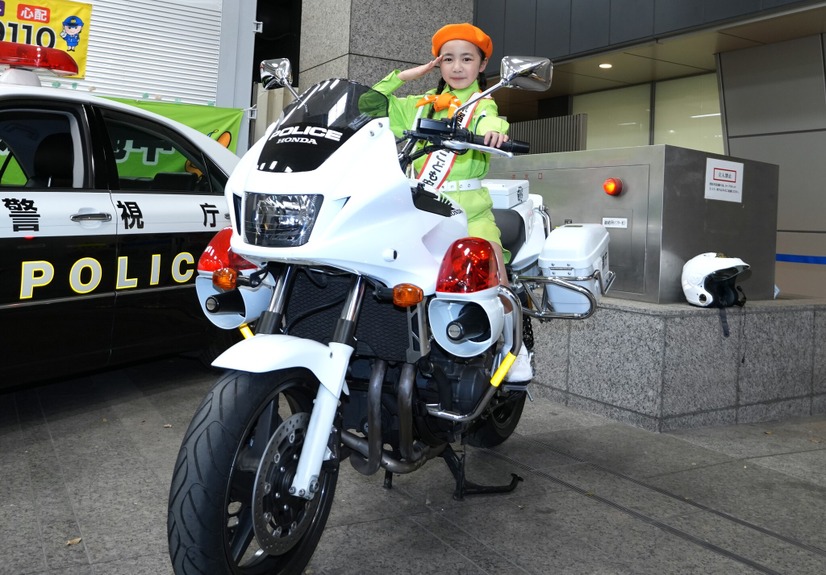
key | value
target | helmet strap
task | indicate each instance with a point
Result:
(741, 301)
(724, 321)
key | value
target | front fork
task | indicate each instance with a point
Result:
(314, 451)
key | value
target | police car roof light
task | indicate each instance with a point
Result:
(25, 57)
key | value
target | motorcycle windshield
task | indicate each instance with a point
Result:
(318, 123)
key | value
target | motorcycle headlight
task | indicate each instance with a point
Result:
(280, 220)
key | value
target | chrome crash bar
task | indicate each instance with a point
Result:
(541, 308)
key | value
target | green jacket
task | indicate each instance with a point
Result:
(486, 118)
(473, 164)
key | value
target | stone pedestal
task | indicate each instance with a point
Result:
(664, 367)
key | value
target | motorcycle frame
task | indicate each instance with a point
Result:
(329, 363)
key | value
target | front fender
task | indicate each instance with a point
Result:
(271, 352)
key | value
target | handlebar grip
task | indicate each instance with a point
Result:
(513, 146)
(517, 146)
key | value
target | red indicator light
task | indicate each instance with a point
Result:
(612, 186)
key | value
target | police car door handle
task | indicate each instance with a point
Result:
(92, 217)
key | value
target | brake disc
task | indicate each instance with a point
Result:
(280, 519)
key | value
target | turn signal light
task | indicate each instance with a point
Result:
(225, 279)
(406, 295)
(612, 186)
(468, 266)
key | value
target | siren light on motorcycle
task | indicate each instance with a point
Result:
(468, 266)
(219, 259)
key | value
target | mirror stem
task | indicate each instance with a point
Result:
(487, 92)
(289, 86)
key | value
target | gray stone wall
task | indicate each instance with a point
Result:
(364, 40)
(665, 367)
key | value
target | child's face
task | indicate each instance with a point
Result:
(461, 63)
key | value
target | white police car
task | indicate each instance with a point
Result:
(98, 251)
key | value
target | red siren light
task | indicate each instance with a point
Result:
(468, 266)
(31, 57)
(218, 254)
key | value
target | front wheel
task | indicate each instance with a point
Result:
(229, 507)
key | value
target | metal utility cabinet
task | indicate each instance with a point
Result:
(674, 204)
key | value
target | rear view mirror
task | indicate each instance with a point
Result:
(526, 72)
(276, 73)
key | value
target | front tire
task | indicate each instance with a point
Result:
(229, 510)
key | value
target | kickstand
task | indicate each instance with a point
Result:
(464, 487)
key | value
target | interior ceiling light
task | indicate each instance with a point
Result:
(606, 66)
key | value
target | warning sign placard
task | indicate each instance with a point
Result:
(724, 180)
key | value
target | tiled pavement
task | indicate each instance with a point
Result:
(85, 466)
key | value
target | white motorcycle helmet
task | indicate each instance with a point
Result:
(708, 280)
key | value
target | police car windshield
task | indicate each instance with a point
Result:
(336, 104)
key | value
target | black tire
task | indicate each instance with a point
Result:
(218, 500)
(218, 341)
(499, 421)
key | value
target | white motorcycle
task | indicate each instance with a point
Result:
(370, 320)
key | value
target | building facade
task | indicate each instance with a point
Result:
(762, 59)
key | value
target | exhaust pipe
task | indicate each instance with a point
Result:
(414, 454)
(359, 444)
(374, 439)
(409, 450)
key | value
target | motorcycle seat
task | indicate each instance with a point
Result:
(512, 229)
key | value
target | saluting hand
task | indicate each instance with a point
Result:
(418, 71)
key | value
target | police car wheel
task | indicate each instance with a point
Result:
(220, 340)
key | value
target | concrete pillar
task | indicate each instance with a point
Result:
(364, 40)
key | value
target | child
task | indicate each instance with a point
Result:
(461, 51)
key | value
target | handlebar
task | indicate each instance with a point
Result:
(444, 134)
(512, 146)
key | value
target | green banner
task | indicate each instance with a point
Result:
(221, 124)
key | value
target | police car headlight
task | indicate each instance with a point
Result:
(280, 220)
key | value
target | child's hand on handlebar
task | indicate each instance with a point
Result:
(495, 139)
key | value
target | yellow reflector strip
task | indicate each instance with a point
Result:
(504, 367)
(245, 331)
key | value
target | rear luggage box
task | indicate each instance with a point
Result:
(570, 252)
(507, 193)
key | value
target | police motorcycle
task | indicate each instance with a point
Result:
(375, 330)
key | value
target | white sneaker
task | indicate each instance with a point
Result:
(521, 370)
